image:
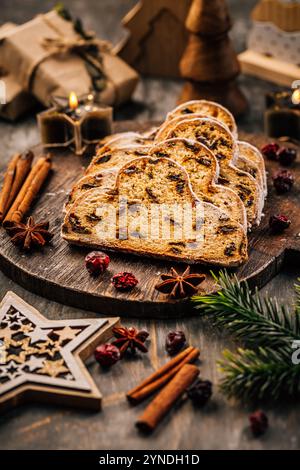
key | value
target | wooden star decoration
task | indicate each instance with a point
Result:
(49, 368)
(6, 333)
(53, 368)
(66, 334)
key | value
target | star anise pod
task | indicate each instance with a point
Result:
(179, 286)
(29, 234)
(130, 338)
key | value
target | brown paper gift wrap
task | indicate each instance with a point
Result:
(17, 101)
(42, 73)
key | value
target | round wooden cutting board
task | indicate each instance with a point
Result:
(58, 271)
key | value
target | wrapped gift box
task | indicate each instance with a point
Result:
(34, 66)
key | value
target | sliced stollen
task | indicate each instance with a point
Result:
(123, 139)
(252, 154)
(203, 170)
(103, 169)
(103, 181)
(148, 185)
(208, 109)
(200, 164)
(115, 158)
(242, 161)
(221, 142)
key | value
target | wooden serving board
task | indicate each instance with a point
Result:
(58, 272)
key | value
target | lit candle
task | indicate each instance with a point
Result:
(76, 123)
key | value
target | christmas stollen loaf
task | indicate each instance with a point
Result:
(95, 219)
(199, 162)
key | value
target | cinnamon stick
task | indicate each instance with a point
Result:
(17, 171)
(29, 191)
(168, 396)
(159, 379)
(172, 363)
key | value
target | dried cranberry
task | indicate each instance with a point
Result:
(270, 151)
(124, 281)
(279, 223)
(287, 156)
(175, 340)
(283, 181)
(258, 423)
(97, 262)
(107, 354)
(200, 392)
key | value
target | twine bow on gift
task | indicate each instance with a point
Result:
(62, 45)
(90, 49)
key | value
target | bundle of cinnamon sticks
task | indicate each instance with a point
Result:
(21, 184)
(174, 378)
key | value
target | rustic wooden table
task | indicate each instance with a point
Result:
(221, 425)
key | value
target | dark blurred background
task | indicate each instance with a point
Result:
(153, 98)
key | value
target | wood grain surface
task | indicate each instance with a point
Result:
(58, 271)
(221, 425)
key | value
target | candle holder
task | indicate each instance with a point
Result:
(75, 123)
(282, 115)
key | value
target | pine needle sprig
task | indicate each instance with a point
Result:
(255, 321)
(263, 374)
(265, 370)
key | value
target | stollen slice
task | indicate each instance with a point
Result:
(221, 142)
(208, 109)
(252, 154)
(115, 158)
(123, 139)
(244, 161)
(203, 170)
(152, 211)
(103, 181)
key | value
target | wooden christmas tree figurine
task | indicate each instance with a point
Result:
(157, 37)
(209, 63)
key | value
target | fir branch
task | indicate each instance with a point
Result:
(259, 375)
(265, 370)
(257, 322)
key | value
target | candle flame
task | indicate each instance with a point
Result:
(296, 96)
(73, 100)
